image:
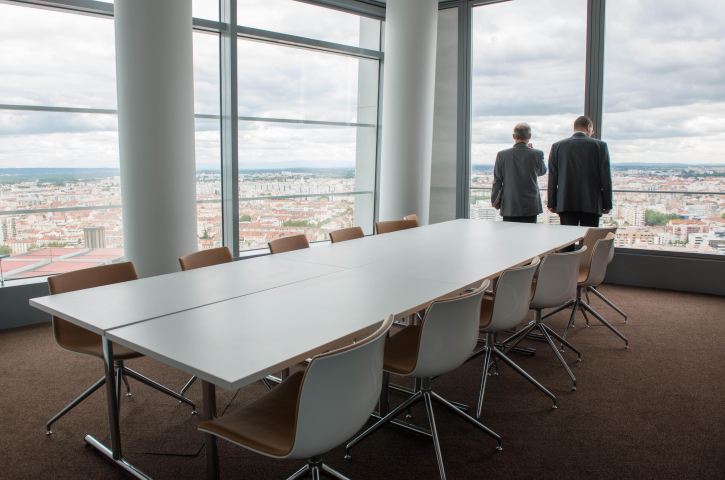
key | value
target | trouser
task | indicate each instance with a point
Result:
(582, 219)
(530, 219)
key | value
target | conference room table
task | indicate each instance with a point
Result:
(234, 324)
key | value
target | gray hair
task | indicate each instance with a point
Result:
(522, 131)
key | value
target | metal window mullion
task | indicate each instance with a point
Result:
(594, 78)
(379, 136)
(465, 85)
(229, 124)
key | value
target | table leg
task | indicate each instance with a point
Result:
(211, 443)
(113, 418)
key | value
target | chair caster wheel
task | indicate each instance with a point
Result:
(347, 456)
(579, 359)
(499, 448)
(48, 432)
(573, 388)
(193, 412)
(553, 407)
(128, 394)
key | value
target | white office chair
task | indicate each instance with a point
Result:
(593, 276)
(439, 345)
(314, 411)
(505, 310)
(555, 284)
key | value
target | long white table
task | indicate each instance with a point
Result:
(259, 316)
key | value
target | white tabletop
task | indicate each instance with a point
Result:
(112, 306)
(237, 342)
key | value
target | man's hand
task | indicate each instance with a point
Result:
(498, 208)
(552, 210)
(530, 145)
(606, 210)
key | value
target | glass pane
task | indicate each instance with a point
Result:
(206, 74)
(64, 60)
(305, 20)
(528, 66)
(664, 111)
(208, 183)
(291, 83)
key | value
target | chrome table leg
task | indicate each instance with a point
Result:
(211, 443)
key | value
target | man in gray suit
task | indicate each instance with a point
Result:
(580, 180)
(515, 186)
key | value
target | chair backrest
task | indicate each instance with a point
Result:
(590, 239)
(346, 234)
(600, 260)
(394, 226)
(413, 216)
(288, 244)
(206, 258)
(611, 250)
(64, 331)
(557, 280)
(449, 333)
(512, 297)
(339, 391)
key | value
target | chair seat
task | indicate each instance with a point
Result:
(266, 425)
(583, 275)
(88, 343)
(401, 351)
(486, 312)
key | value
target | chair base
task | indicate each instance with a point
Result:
(428, 396)
(122, 372)
(580, 304)
(490, 351)
(605, 300)
(545, 333)
(316, 469)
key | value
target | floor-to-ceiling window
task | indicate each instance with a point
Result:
(664, 119)
(527, 66)
(307, 122)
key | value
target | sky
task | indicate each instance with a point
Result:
(664, 97)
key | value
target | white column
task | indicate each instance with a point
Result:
(154, 77)
(408, 93)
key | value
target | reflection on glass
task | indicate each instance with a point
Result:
(304, 20)
(664, 108)
(54, 63)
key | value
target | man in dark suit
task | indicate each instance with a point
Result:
(515, 187)
(580, 181)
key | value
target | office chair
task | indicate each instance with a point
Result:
(394, 226)
(312, 411)
(506, 309)
(555, 284)
(77, 339)
(439, 345)
(288, 244)
(413, 216)
(346, 234)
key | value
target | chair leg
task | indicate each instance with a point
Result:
(571, 319)
(545, 332)
(599, 317)
(75, 402)
(386, 419)
(315, 472)
(303, 472)
(484, 377)
(519, 337)
(188, 384)
(332, 473)
(584, 313)
(119, 374)
(596, 292)
(523, 373)
(128, 387)
(586, 293)
(157, 386)
(467, 418)
(436, 443)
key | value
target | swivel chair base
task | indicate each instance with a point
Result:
(122, 372)
(580, 304)
(427, 395)
(316, 469)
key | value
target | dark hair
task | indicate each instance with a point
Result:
(582, 122)
(522, 131)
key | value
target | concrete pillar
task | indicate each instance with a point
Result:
(154, 77)
(408, 94)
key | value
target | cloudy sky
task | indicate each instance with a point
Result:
(664, 83)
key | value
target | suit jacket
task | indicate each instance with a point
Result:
(580, 179)
(515, 171)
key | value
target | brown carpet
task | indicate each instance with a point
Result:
(656, 410)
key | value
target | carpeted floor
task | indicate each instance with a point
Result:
(655, 411)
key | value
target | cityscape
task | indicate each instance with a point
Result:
(79, 219)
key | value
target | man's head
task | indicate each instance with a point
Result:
(584, 124)
(522, 133)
